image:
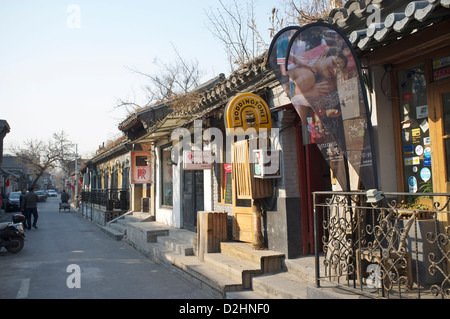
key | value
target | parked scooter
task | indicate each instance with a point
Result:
(12, 236)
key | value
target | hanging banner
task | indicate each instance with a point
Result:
(326, 91)
(247, 110)
(140, 167)
(327, 145)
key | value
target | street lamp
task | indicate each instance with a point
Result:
(76, 175)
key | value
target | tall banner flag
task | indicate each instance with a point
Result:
(276, 61)
(326, 89)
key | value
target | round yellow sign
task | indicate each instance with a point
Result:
(247, 110)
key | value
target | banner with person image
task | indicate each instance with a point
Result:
(325, 88)
(276, 61)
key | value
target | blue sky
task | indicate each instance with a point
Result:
(58, 72)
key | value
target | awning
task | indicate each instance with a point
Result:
(164, 128)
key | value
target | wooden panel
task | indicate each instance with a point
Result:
(211, 231)
(438, 152)
(243, 226)
(247, 186)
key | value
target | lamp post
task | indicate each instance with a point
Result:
(76, 175)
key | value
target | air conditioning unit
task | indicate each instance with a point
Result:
(266, 163)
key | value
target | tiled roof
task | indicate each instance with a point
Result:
(374, 23)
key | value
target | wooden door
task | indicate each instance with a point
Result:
(242, 210)
(439, 118)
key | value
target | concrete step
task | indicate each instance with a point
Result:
(238, 269)
(280, 286)
(183, 235)
(303, 268)
(269, 261)
(191, 268)
(177, 245)
(137, 217)
(244, 294)
(121, 228)
(142, 233)
(113, 233)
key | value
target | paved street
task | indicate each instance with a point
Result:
(68, 251)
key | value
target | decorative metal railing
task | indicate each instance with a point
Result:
(109, 198)
(384, 248)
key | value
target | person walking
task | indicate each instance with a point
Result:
(30, 201)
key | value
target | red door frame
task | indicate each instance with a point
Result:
(310, 180)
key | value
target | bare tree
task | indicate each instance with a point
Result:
(234, 25)
(42, 156)
(173, 79)
(301, 12)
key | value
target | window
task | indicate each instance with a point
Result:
(414, 126)
(166, 176)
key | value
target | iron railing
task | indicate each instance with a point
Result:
(109, 198)
(386, 248)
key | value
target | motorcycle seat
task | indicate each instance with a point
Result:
(3, 225)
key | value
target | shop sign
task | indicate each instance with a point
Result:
(247, 111)
(197, 160)
(140, 167)
(441, 68)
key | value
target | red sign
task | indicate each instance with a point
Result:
(440, 74)
(140, 167)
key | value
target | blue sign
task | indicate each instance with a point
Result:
(427, 161)
(412, 183)
(427, 152)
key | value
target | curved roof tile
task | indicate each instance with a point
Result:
(372, 23)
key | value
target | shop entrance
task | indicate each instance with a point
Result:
(314, 175)
(193, 198)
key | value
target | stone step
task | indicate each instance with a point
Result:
(209, 276)
(244, 294)
(192, 269)
(280, 286)
(121, 228)
(269, 261)
(113, 233)
(236, 268)
(177, 245)
(183, 235)
(303, 268)
(142, 233)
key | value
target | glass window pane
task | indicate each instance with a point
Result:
(414, 126)
(167, 177)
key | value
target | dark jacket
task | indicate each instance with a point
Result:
(30, 200)
(64, 197)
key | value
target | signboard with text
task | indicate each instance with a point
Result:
(140, 167)
(197, 160)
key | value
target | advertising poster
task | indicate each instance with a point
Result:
(324, 83)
